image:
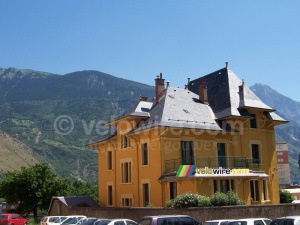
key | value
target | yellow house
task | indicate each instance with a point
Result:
(213, 135)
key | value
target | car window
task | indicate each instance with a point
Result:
(146, 221)
(14, 216)
(162, 221)
(102, 222)
(119, 223)
(211, 223)
(3, 216)
(173, 221)
(52, 219)
(129, 222)
(226, 223)
(188, 221)
(238, 223)
(267, 222)
(258, 222)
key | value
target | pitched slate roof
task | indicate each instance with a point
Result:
(78, 201)
(227, 94)
(180, 108)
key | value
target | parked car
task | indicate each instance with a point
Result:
(218, 222)
(87, 221)
(48, 220)
(60, 219)
(72, 220)
(289, 220)
(12, 218)
(169, 220)
(251, 221)
(122, 222)
(102, 222)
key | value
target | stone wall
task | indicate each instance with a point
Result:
(201, 214)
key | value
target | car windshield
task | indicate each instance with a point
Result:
(89, 221)
(211, 223)
(101, 222)
(60, 219)
(52, 219)
(71, 220)
(238, 223)
(284, 221)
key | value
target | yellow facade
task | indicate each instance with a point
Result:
(137, 167)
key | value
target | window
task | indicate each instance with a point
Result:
(144, 154)
(145, 194)
(254, 190)
(282, 180)
(223, 185)
(109, 195)
(221, 155)
(279, 160)
(280, 167)
(173, 190)
(279, 153)
(187, 154)
(109, 160)
(255, 153)
(126, 202)
(265, 190)
(126, 172)
(125, 141)
(253, 121)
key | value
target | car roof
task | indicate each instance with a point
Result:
(160, 216)
(251, 219)
(288, 217)
(220, 220)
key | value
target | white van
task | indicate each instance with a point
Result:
(251, 221)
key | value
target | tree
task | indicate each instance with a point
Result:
(32, 188)
(285, 196)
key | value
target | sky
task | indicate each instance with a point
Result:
(138, 39)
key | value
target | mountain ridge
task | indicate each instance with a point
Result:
(31, 102)
(29, 109)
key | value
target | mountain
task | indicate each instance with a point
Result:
(56, 115)
(14, 154)
(290, 132)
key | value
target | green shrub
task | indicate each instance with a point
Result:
(285, 196)
(222, 199)
(219, 199)
(204, 201)
(188, 200)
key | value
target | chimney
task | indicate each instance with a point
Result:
(226, 63)
(143, 98)
(159, 87)
(203, 90)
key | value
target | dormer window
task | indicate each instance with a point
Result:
(125, 141)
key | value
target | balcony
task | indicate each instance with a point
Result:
(212, 162)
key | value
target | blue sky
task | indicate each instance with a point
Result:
(138, 39)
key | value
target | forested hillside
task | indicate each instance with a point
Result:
(57, 115)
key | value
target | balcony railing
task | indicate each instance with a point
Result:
(212, 162)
